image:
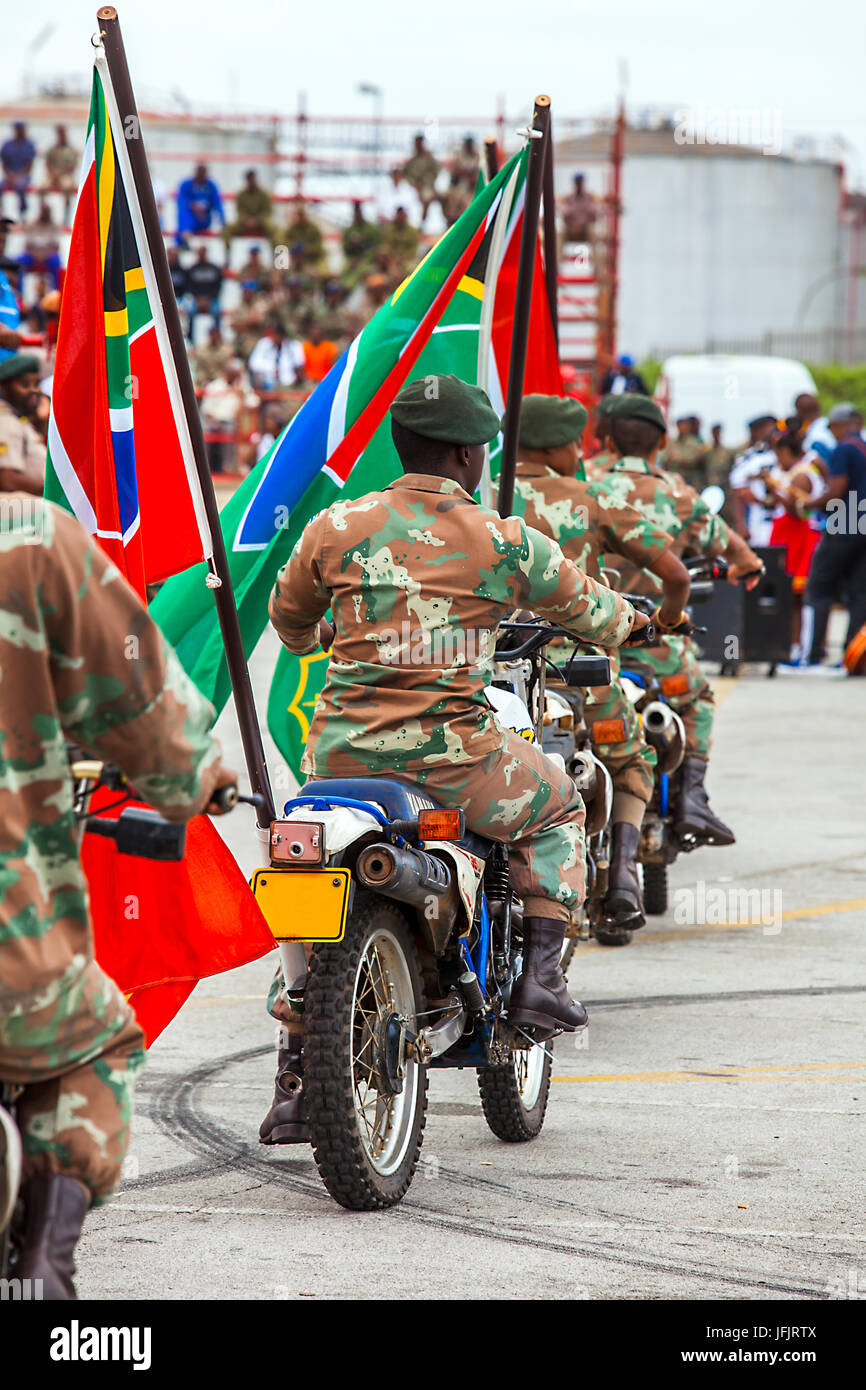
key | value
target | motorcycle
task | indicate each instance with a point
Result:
(664, 731)
(414, 935)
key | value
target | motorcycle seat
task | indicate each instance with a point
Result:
(399, 801)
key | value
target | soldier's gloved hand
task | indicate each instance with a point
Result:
(640, 624)
(327, 632)
(222, 801)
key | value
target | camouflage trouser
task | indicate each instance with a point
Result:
(675, 662)
(630, 761)
(517, 795)
(76, 1057)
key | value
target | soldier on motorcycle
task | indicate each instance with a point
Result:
(401, 570)
(637, 433)
(552, 495)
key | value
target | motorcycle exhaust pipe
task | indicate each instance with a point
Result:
(584, 772)
(410, 875)
(664, 732)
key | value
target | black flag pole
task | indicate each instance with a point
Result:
(251, 737)
(491, 157)
(551, 257)
(540, 133)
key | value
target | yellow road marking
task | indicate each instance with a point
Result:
(707, 929)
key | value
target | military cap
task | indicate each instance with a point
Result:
(606, 405)
(549, 421)
(631, 406)
(446, 408)
(17, 365)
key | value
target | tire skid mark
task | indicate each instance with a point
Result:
(174, 1113)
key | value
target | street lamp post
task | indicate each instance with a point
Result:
(370, 89)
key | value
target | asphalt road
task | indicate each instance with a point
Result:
(707, 1143)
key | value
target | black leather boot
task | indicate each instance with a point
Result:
(54, 1210)
(693, 814)
(286, 1121)
(540, 996)
(623, 904)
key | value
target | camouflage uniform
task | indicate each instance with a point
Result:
(586, 521)
(418, 577)
(672, 504)
(68, 622)
(686, 457)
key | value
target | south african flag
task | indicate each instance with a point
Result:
(119, 452)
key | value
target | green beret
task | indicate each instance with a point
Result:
(606, 405)
(546, 422)
(631, 406)
(446, 408)
(17, 365)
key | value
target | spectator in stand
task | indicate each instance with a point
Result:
(276, 361)
(398, 194)
(253, 211)
(10, 313)
(227, 403)
(198, 203)
(421, 171)
(41, 255)
(178, 273)
(320, 354)
(62, 166)
(209, 360)
(463, 169)
(16, 161)
(579, 213)
(817, 435)
(360, 242)
(299, 270)
(376, 292)
(686, 453)
(204, 282)
(291, 307)
(400, 240)
(623, 377)
(336, 320)
(718, 459)
(839, 563)
(249, 320)
(273, 424)
(254, 274)
(304, 232)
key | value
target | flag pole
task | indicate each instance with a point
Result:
(251, 737)
(491, 156)
(539, 134)
(551, 258)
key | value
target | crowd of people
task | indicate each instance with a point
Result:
(268, 303)
(798, 483)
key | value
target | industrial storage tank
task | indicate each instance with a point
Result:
(724, 247)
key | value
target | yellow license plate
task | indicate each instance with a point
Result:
(303, 904)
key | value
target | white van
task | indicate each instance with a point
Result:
(728, 390)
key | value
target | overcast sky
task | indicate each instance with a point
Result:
(454, 57)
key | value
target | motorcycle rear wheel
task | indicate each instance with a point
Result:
(514, 1096)
(366, 1134)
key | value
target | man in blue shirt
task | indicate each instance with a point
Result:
(198, 202)
(10, 314)
(839, 563)
(16, 157)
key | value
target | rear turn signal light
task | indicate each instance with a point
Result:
(675, 685)
(609, 731)
(440, 825)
